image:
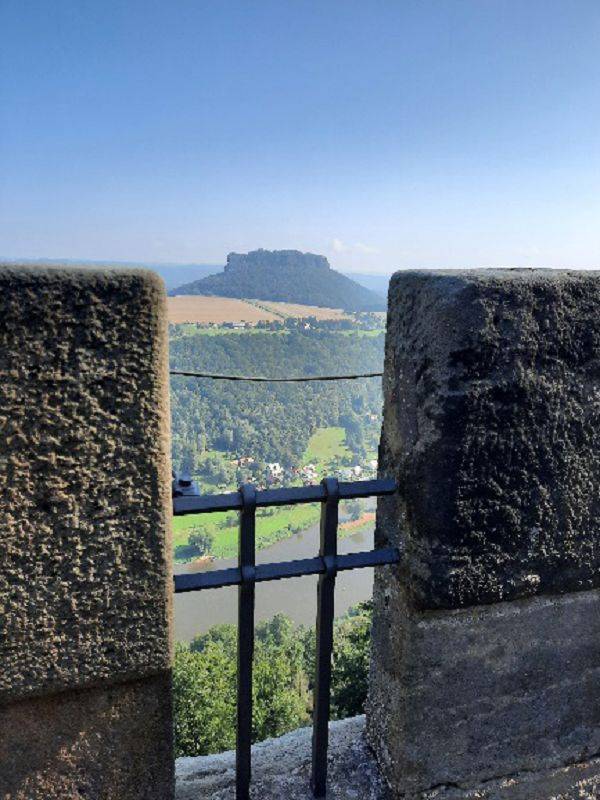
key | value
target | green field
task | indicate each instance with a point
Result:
(325, 445)
(190, 329)
(272, 525)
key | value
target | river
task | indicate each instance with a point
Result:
(195, 612)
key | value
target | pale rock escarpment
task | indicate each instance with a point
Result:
(281, 768)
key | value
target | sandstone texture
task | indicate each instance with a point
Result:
(492, 427)
(486, 639)
(574, 782)
(85, 581)
(85, 574)
(465, 697)
(110, 743)
(281, 769)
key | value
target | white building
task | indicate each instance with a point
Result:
(275, 470)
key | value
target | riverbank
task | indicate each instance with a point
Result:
(366, 521)
(273, 525)
(196, 612)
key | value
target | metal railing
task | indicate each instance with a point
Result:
(247, 574)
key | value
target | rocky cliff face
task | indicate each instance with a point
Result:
(275, 258)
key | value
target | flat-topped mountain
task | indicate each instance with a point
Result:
(285, 275)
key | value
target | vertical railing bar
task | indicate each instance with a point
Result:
(246, 560)
(325, 613)
(325, 619)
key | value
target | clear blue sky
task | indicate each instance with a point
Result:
(405, 133)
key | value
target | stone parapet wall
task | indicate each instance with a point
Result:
(281, 768)
(85, 575)
(486, 642)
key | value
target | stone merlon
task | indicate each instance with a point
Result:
(486, 641)
(492, 426)
(85, 577)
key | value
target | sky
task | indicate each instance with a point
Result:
(384, 134)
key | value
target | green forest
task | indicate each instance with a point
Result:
(204, 680)
(224, 433)
(272, 422)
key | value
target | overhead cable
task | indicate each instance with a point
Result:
(264, 379)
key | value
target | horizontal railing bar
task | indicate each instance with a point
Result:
(285, 569)
(207, 580)
(281, 497)
(370, 558)
(200, 504)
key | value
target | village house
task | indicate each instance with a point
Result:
(275, 471)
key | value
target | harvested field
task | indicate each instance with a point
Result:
(205, 309)
(300, 311)
(200, 308)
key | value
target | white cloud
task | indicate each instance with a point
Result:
(358, 247)
(366, 248)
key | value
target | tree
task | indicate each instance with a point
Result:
(353, 508)
(224, 636)
(204, 687)
(351, 655)
(280, 692)
(271, 422)
(204, 680)
(201, 540)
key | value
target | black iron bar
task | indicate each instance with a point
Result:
(245, 576)
(246, 560)
(325, 613)
(280, 497)
(219, 578)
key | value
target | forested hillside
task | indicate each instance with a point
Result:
(273, 422)
(204, 680)
(288, 276)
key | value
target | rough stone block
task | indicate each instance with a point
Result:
(486, 639)
(462, 698)
(84, 511)
(110, 743)
(85, 577)
(492, 426)
(281, 768)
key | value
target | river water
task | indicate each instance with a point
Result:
(195, 612)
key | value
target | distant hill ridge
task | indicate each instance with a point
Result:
(288, 276)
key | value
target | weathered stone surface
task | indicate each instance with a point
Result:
(281, 769)
(110, 743)
(467, 696)
(85, 582)
(492, 425)
(575, 782)
(486, 640)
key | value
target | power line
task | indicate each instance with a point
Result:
(262, 379)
